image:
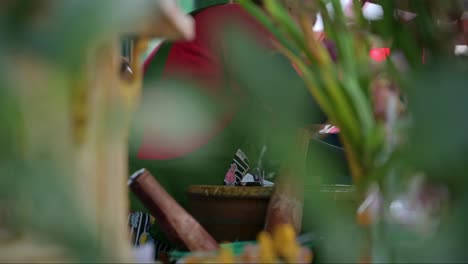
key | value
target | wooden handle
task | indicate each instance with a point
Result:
(285, 206)
(286, 203)
(179, 226)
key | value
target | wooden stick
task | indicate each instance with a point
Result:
(287, 201)
(175, 222)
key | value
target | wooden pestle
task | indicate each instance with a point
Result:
(287, 200)
(179, 226)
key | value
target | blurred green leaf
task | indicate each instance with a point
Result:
(438, 107)
(273, 82)
(266, 21)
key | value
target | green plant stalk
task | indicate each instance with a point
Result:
(310, 80)
(333, 95)
(364, 109)
(351, 86)
(334, 28)
(358, 14)
(329, 76)
(320, 55)
(288, 25)
(339, 100)
(266, 21)
(362, 48)
(314, 87)
(327, 20)
(292, 29)
(342, 106)
(351, 112)
(356, 167)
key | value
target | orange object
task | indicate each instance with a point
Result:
(370, 209)
(266, 245)
(364, 218)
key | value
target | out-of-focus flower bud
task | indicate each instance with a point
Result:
(369, 211)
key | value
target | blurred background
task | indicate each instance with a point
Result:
(82, 97)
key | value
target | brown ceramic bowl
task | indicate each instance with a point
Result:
(235, 213)
(229, 213)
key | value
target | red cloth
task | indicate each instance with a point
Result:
(200, 60)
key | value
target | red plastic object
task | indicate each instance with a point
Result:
(379, 54)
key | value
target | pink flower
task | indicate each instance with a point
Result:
(230, 177)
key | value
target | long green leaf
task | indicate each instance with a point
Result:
(327, 94)
(345, 48)
(288, 25)
(267, 22)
